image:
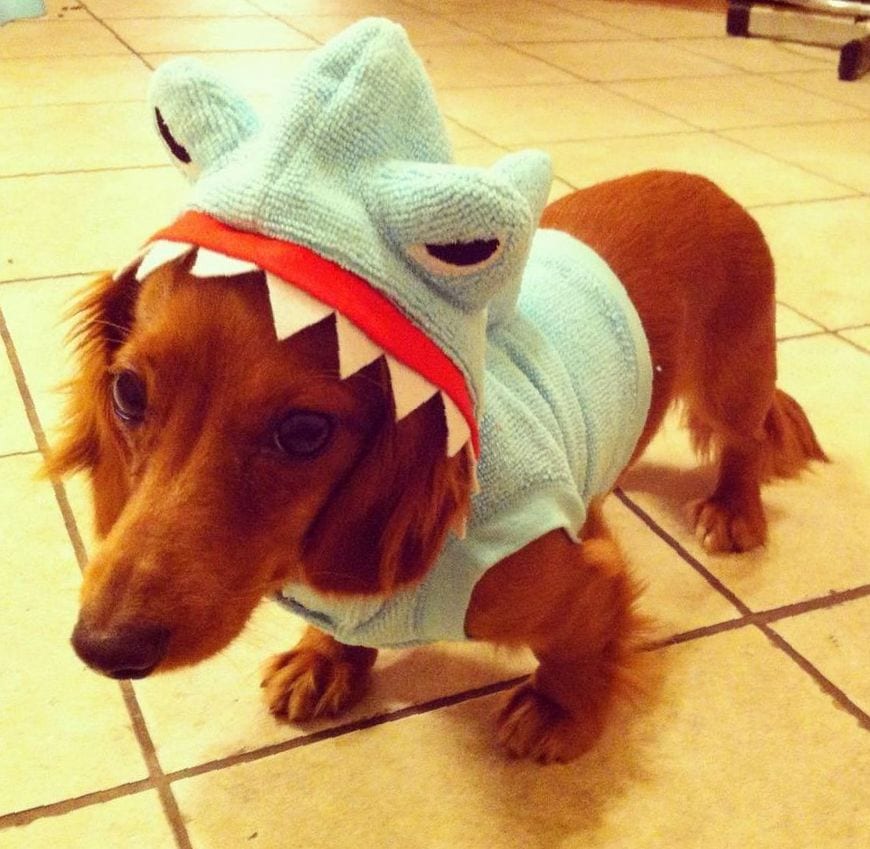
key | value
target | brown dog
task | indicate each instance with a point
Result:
(225, 464)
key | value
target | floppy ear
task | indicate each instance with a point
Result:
(385, 523)
(85, 442)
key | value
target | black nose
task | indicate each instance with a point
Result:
(125, 652)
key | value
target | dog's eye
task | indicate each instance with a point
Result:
(303, 433)
(128, 397)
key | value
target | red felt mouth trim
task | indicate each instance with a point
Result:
(351, 295)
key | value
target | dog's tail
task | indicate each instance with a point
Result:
(791, 442)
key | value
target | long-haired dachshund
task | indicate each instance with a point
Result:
(226, 464)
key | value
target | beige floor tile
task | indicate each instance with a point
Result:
(477, 65)
(15, 433)
(655, 20)
(58, 720)
(731, 165)
(714, 103)
(46, 37)
(822, 261)
(152, 35)
(834, 640)
(790, 323)
(859, 336)
(72, 137)
(535, 114)
(481, 155)
(630, 60)
(131, 822)
(356, 8)
(757, 55)
(700, 766)
(35, 314)
(111, 9)
(816, 534)
(855, 93)
(71, 79)
(838, 150)
(421, 28)
(559, 189)
(256, 75)
(460, 136)
(105, 216)
(533, 22)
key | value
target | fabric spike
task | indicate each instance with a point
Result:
(355, 349)
(159, 254)
(458, 432)
(212, 264)
(292, 309)
(410, 390)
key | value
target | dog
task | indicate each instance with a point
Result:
(225, 464)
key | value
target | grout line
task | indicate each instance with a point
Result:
(828, 687)
(676, 546)
(53, 277)
(31, 453)
(66, 806)
(349, 728)
(777, 204)
(807, 335)
(851, 342)
(804, 315)
(761, 620)
(780, 159)
(157, 778)
(69, 171)
(114, 34)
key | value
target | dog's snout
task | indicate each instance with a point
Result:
(124, 652)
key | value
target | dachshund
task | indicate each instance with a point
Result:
(225, 464)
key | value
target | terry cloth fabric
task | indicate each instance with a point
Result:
(11, 10)
(568, 381)
(349, 203)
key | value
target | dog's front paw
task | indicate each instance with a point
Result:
(531, 725)
(307, 684)
(720, 527)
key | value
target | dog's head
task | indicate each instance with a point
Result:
(226, 463)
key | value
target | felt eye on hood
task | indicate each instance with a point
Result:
(456, 258)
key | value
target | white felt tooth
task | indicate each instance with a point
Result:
(410, 389)
(460, 526)
(458, 432)
(355, 349)
(161, 252)
(212, 264)
(130, 264)
(292, 309)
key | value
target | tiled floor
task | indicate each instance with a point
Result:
(754, 733)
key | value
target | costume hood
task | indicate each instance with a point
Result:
(349, 203)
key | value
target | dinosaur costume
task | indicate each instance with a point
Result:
(349, 204)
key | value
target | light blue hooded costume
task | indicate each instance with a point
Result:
(349, 203)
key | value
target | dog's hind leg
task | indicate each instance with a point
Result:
(737, 415)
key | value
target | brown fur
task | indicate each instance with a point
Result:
(200, 517)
